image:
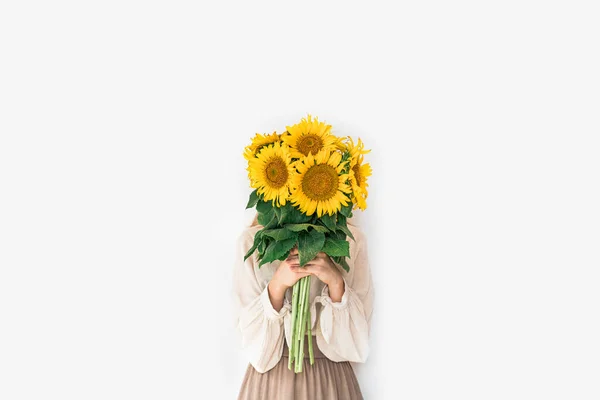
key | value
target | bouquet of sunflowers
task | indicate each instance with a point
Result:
(306, 183)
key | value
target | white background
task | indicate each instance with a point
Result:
(123, 189)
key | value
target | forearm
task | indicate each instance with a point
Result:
(336, 290)
(276, 294)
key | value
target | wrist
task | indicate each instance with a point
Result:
(276, 295)
(276, 288)
(336, 290)
(337, 282)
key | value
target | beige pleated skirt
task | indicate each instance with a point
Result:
(324, 380)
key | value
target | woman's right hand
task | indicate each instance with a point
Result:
(289, 271)
(286, 275)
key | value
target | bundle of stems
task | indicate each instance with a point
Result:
(300, 324)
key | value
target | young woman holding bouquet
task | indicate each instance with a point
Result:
(307, 182)
(341, 304)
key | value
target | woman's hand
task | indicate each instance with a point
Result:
(286, 275)
(323, 267)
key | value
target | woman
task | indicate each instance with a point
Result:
(341, 308)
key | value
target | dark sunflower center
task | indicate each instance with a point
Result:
(320, 182)
(357, 174)
(309, 143)
(276, 172)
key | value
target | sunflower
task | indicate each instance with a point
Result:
(258, 141)
(341, 144)
(358, 173)
(309, 136)
(271, 172)
(320, 183)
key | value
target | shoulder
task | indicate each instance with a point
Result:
(246, 236)
(360, 239)
(356, 232)
(250, 230)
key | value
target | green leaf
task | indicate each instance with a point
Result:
(253, 199)
(249, 253)
(342, 226)
(304, 227)
(309, 245)
(344, 264)
(277, 211)
(265, 218)
(287, 253)
(338, 234)
(335, 247)
(346, 210)
(276, 250)
(280, 233)
(329, 221)
(262, 246)
(272, 223)
(264, 207)
(257, 240)
(266, 214)
(291, 215)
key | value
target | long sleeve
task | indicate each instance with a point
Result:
(343, 327)
(261, 326)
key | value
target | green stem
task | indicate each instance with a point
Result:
(298, 350)
(303, 313)
(309, 328)
(293, 324)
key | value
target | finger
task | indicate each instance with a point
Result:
(301, 271)
(314, 264)
(303, 274)
(298, 267)
(311, 268)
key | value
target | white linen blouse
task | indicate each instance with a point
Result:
(341, 328)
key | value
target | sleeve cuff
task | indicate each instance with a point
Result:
(270, 312)
(344, 301)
